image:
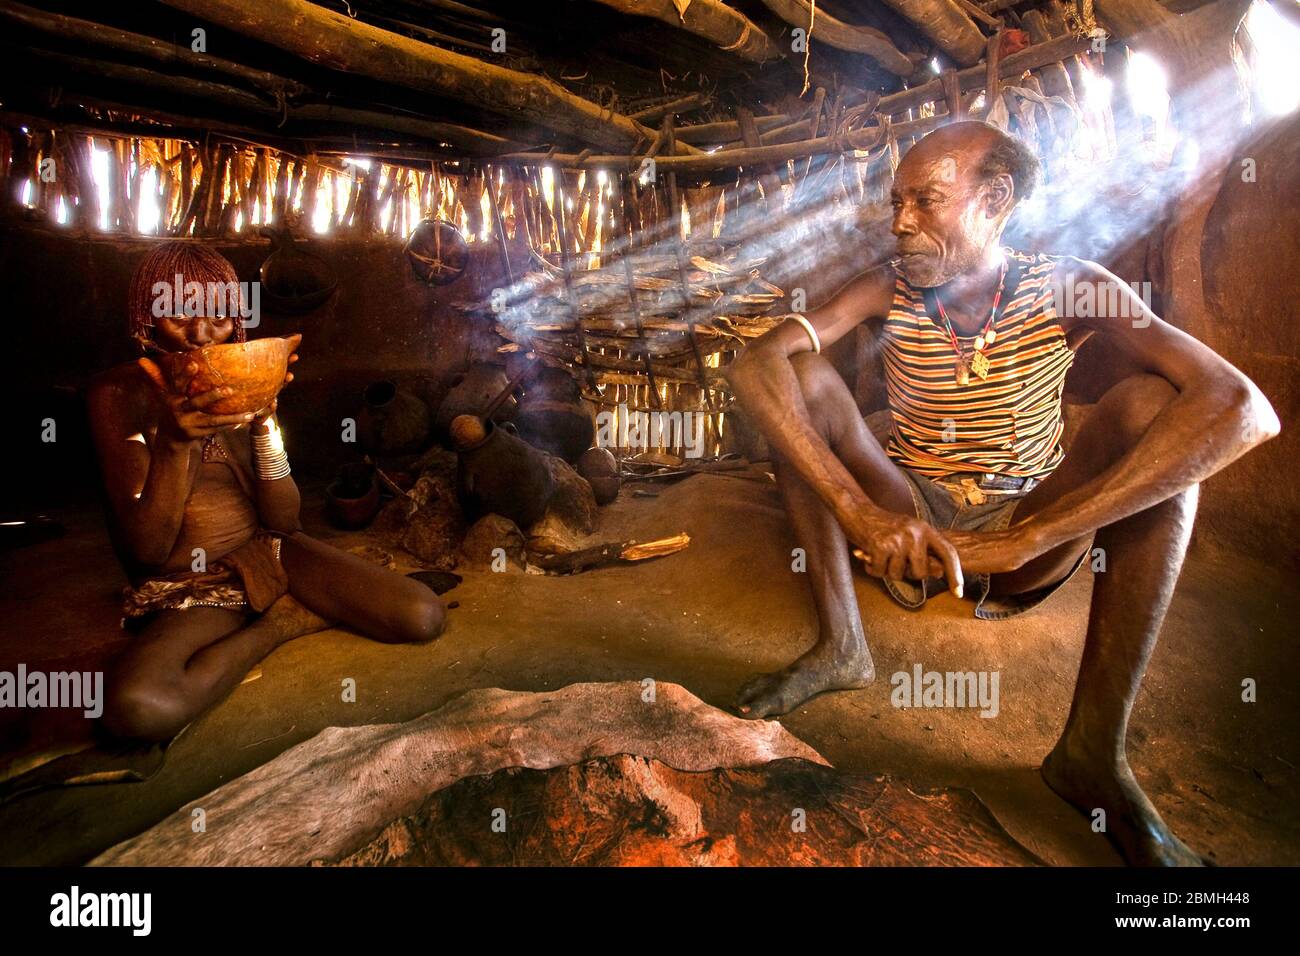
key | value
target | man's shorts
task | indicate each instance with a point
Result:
(947, 509)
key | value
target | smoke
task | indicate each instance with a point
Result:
(1105, 187)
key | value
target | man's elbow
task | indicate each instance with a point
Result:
(1259, 421)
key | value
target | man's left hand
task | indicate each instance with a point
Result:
(993, 552)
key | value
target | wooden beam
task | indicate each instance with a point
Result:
(946, 24)
(725, 131)
(147, 47)
(471, 141)
(336, 41)
(1030, 58)
(711, 20)
(866, 138)
(976, 13)
(683, 104)
(843, 36)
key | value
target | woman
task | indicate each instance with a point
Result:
(205, 518)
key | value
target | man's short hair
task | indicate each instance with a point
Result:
(1010, 155)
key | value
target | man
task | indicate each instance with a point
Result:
(205, 520)
(974, 485)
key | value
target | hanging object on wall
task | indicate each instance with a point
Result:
(294, 280)
(437, 252)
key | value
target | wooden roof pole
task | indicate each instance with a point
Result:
(338, 42)
(946, 24)
(844, 36)
(471, 141)
(147, 47)
(711, 20)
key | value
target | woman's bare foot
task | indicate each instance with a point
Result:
(1133, 825)
(825, 668)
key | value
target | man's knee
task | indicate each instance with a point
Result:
(1130, 406)
(814, 373)
(135, 710)
(825, 393)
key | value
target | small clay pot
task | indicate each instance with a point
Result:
(352, 499)
(392, 420)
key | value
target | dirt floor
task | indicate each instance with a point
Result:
(1223, 772)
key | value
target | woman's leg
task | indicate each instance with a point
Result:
(183, 662)
(372, 601)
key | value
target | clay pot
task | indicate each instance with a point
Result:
(503, 474)
(470, 393)
(600, 468)
(554, 417)
(255, 370)
(294, 281)
(392, 420)
(352, 499)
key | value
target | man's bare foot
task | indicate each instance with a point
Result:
(824, 668)
(1133, 825)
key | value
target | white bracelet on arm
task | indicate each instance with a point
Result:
(269, 459)
(808, 327)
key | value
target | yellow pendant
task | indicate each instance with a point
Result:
(979, 364)
(991, 337)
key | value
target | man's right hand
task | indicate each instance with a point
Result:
(185, 418)
(896, 546)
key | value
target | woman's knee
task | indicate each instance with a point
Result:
(420, 617)
(141, 711)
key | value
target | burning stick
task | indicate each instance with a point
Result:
(609, 553)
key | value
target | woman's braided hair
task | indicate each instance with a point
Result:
(193, 263)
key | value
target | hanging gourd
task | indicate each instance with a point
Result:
(437, 252)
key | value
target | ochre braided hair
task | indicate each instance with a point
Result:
(194, 263)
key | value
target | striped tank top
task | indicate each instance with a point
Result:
(1008, 423)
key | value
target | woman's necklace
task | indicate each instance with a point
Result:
(979, 362)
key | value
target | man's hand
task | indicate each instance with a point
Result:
(994, 552)
(895, 546)
(184, 418)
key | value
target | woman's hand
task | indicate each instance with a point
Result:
(185, 418)
(896, 546)
(262, 415)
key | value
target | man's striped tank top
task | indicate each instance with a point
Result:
(1008, 423)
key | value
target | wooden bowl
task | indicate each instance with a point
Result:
(255, 370)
